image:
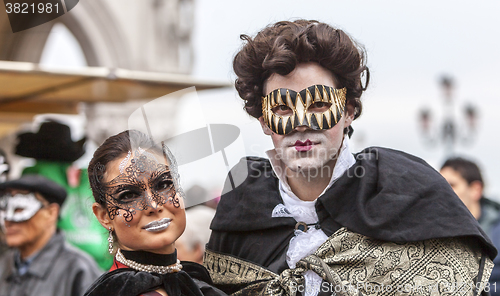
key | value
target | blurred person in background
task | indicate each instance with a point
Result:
(4, 175)
(40, 261)
(466, 180)
(199, 195)
(4, 166)
(55, 153)
(191, 245)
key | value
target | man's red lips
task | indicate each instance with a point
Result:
(306, 143)
(303, 146)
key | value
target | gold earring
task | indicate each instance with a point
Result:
(110, 240)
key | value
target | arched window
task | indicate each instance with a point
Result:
(62, 49)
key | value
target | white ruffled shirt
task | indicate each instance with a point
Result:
(306, 243)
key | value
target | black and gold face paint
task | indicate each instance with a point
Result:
(144, 183)
(318, 107)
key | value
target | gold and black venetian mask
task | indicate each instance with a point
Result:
(318, 107)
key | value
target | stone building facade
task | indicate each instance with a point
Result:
(145, 35)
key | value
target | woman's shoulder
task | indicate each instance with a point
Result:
(117, 265)
(196, 271)
(122, 280)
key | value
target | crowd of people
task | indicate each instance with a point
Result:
(313, 218)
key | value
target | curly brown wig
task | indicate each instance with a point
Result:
(278, 49)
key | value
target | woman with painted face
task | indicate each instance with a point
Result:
(138, 200)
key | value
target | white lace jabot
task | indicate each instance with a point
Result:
(306, 243)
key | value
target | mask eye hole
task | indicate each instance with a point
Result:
(164, 185)
(282, 110)
(18, 210)
(128, 196)
(319, 107)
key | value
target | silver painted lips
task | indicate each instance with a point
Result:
(157, 225)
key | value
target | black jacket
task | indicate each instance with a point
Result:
(58, 269)
(387, 195)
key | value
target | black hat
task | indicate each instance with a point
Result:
(51, 142)
(50, 190)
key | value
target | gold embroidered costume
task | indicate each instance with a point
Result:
(396, 223)
(353, 264)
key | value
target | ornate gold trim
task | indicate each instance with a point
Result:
(365, 266)
(229, 270)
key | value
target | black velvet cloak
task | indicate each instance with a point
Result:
(192, 280)
(387, 195)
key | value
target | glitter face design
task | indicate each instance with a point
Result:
(143, 183)
(318, 107)
(18, 207)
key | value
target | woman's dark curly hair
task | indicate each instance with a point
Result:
(280, 47)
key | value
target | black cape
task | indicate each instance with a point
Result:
(387, 195)
(192, 280)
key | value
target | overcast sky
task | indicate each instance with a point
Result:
(410, 45)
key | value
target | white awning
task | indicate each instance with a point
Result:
(27, 89)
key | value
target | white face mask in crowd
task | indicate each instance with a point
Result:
(18, 207)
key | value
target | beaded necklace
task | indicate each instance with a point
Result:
(176, 267)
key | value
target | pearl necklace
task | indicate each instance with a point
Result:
(176, 267)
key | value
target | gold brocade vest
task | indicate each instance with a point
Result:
(352, 264)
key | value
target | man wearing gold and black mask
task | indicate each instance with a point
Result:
(316, 219)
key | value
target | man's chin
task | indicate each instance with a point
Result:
(307, 169)
(14, 243)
